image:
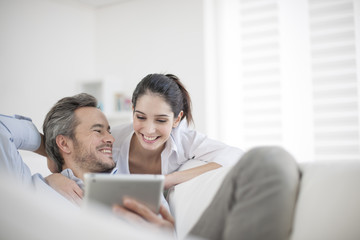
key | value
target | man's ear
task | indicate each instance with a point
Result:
(178, 119)
(63, 143)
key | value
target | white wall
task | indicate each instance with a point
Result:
(139, 37)
(46, 47)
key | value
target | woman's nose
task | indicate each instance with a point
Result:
(150, 127)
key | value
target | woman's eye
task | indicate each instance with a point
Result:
(140, 117)
(162, 121)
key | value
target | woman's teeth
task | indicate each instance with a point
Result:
(149, 138)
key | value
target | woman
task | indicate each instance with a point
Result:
(159, 140)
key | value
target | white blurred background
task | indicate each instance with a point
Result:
(260, 72)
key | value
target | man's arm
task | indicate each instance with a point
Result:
(23, 132)
(41, 149)
(17, 133)
(26, 136)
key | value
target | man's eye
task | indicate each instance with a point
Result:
(99, 131)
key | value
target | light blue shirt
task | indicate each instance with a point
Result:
(18, 132)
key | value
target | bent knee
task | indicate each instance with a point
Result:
(271, 160)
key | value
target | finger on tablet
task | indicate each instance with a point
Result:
(127, 214)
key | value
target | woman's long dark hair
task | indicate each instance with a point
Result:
(170, 88)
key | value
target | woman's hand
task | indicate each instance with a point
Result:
(135, 211)
(66, 187)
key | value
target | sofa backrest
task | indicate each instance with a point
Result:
(328, 205)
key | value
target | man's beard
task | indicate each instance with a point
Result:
(89, 161)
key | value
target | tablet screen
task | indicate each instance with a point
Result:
(107, 189)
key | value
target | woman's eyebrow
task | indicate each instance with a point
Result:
(158, 115)
(139, 112)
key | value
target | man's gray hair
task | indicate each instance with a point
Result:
(61, 120)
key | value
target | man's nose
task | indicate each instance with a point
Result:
(109, 138)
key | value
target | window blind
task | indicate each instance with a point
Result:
(297, 82)
(260, 75)
(334, 77)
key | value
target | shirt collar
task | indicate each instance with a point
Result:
(69, 174)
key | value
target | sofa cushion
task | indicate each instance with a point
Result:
(328, 205)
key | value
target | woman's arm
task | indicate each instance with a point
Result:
(177, 177)
(66, 187)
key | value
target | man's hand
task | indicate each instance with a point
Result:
(138, 212)
(66, 187)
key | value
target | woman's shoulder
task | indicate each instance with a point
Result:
(186, 135)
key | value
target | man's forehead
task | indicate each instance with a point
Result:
(90, 116)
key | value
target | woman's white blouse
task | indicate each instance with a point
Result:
(183, 144)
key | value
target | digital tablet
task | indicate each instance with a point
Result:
(108, 189)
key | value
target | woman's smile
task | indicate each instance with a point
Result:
(149, 139)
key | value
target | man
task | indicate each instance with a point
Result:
(77, 138)
(76, 135)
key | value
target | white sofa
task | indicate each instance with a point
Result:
(328, 208)
(328, 203)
